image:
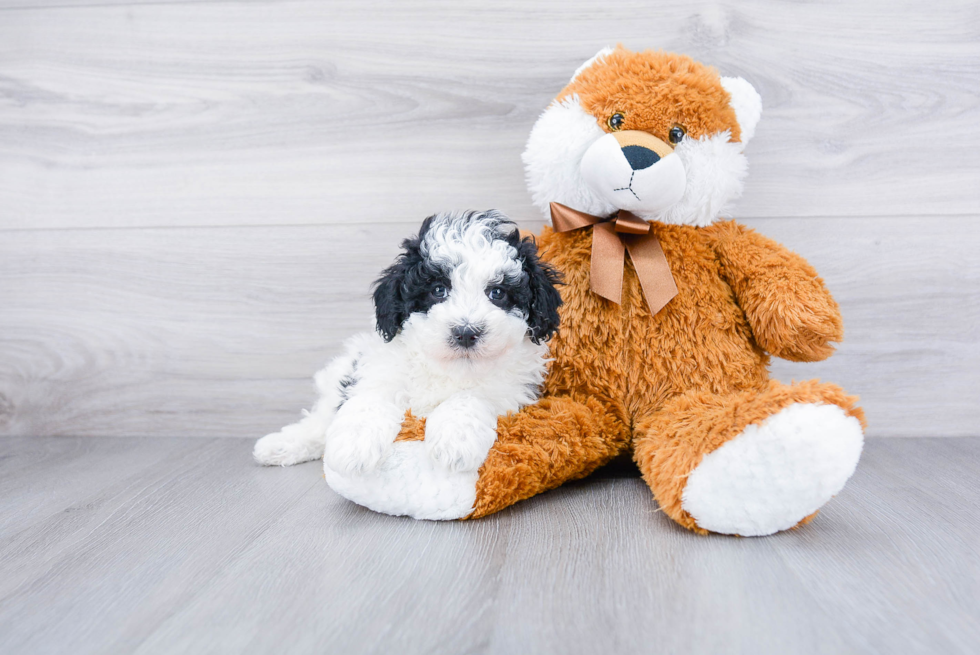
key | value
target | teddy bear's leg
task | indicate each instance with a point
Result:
(544, 445)
(750, 463)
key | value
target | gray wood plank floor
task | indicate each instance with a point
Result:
(174, 545)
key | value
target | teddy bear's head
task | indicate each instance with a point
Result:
(654, 133)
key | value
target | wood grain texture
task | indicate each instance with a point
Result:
(204, 552)
(218, 331)
(194, 197)
(154, 331)
(244, 113)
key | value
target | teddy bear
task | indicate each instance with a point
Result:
(671, 314)
(671, 311)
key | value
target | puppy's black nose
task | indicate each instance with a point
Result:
(466, 336)
(640, 157)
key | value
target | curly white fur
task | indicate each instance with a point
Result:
(365, 392)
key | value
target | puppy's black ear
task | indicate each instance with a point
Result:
(391, 302)
(389, 308)
(542, 317)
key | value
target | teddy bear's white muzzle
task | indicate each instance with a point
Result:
(636, 172)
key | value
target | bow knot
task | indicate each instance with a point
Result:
(627, 223)
(612, 238)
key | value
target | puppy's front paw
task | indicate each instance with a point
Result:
(357, 445)
(459, 442)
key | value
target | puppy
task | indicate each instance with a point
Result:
(462, 319)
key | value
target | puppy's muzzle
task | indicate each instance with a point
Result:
(466, 336)
(634, 170)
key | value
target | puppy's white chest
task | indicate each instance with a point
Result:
(424, 394)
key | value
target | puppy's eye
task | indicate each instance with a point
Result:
(616, 121)
(676, 134)
(440, 291)
(497, 295)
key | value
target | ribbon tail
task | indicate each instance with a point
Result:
(652, 270)
(566, 219)
(608, 261)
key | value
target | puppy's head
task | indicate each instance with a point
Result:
(468, 287)
(654, 133)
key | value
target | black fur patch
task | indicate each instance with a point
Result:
(406, 286)
(346, 383)
(537, 296)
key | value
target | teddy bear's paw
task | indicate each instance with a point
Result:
(459, 441)
(357, 442)
(811, 342)
(296, 443)
(357, 449)
(409, 483)
(773, 475)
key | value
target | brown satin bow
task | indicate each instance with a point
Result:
(611, 238)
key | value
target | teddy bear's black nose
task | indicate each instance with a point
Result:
(466, 336)
(640, 157)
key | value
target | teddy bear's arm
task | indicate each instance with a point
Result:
(792, 314)
(560, 438)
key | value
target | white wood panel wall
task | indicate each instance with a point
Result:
(194, 197)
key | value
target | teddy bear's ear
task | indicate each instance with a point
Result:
(747, 105)
(598, 57)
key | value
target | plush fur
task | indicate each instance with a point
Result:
(725, 494)
(462, 317)
(686, 391)
(573, 138)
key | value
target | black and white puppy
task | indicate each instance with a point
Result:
(462, 319)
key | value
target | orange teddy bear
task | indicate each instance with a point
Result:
(670, 316)
(664, 353)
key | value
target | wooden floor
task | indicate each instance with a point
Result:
(177, 545)
(196, 196)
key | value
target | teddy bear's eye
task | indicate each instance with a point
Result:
(676, 134)
(616, 121)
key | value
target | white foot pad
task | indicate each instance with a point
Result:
(408, 482)
(773, 475)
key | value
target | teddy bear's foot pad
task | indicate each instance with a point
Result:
(409, 483)
(773, 475)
